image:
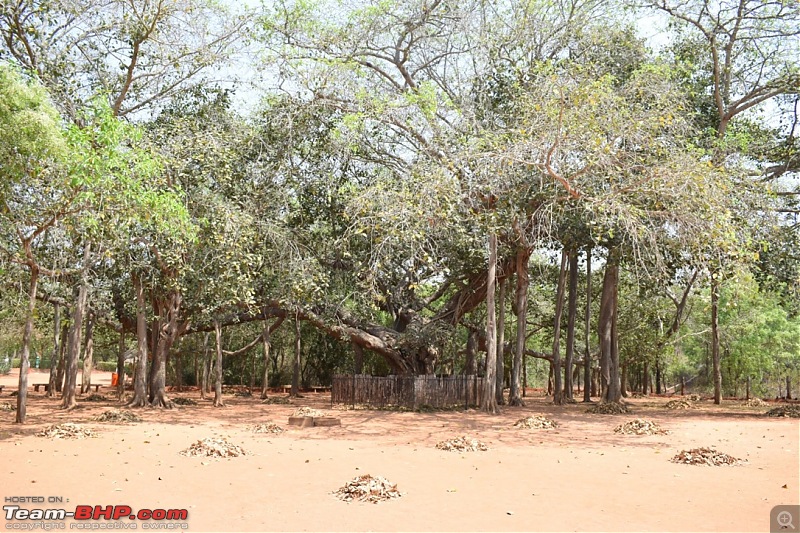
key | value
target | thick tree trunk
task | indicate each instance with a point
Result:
(295, 391)
(51, 389)
(265, 341)
(88, 355)
(74, 341)
(24, 360)
(645, 378)
(558, 394)
(715, 355)
(121, 365)
(489, 401)
(472, 349)
(171, 328)
(523, 281)
(205, 383)
(658, 377)
(358, 359)
(501, 342)
(140, 373)
(572, 315)
(788, 388)
(587, 355)
(218, 402)
(609, 354)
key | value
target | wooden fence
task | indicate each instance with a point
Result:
(412, 392)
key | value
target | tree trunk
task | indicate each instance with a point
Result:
(295, 391)
(572, 315)
(140, 373)
(121, 365)
(501, 342)
(24, 360)
(658, 377)
(587, 355)
(624, 380)
(489, 402)
(562, 277)
(74, 341)
(645, 378)
(607, 333)
(51, 389)
(522, 310)
(788, 388)
(62, 358)
(715, 355)
(358, 359)
(218, 402)
(266, 343)
(204, 383)
(88, 355)
(472, 348)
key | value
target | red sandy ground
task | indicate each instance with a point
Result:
(579, 477)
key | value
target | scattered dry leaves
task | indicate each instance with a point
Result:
(277, 400)
(183, 401)
(755, 402)
(95, 398)
(5, 406)
(307, 411)
(367, 488)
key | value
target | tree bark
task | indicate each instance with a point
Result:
(121, 365)
(140, 373)
(658, 377)
(587, 357)
(572, 315)
(24, 360)
(715, 355)
(624, 381)
(607, 332)
(74, 341)
(51, 389)
(557, 384)
(88, 354)
(501, 342)
(489, 401)
(472, 348)
(170, 329)
(62, 358)
(788, 388)
(521, 300)
(358, 359)
(645, 378)
(218, 402)
(265, 340)
(204, 388)
(295, 391)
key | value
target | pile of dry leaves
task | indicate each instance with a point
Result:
(535, 422)
(210, 447)
(755, 402)
(462, 444)
(679, 404)
(640, 426)
(277, 400)
(183, 401)
(307, 411)
(791, 411)
(5, 406)
(117, 415)
(609, 408)
(95, 398)
(67, 430)
(706, 457)
(269, 427)
(367, 488)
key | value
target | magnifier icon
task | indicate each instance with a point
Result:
(785, 520)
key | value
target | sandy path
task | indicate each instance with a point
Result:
(579, 477)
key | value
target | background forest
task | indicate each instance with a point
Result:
(206, 193)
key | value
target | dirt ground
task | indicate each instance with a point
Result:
(579, 477)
